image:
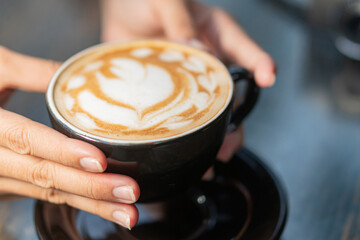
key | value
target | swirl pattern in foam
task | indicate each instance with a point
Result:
(143, 90)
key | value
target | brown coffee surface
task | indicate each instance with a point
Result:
(142, 90)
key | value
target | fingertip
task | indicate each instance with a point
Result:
(90, 158)
(134, 216)
(126, 216)
(232, 143)
(134, 186)
(125, 186)
(265, 73)
(136, 193)
(195, 43)
(265, 79)
(226, 151)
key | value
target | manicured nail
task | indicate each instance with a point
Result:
(122, 218)
(124, 194)
(91, 165)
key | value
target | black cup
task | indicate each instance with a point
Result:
(165, 166)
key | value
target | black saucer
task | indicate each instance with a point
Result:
(244, 201)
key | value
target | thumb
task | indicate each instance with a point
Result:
(19, 71)
(176, 20)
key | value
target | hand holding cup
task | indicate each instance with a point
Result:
(42, 163)
(159, 110)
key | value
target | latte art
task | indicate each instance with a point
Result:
(142, 91)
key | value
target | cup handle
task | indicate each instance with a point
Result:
(252, 91)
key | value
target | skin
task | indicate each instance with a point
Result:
(198, 25)
(39, 162)
(42, 163)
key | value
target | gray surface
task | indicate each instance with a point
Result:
(306, 127)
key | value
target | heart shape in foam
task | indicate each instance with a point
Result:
(140, 86)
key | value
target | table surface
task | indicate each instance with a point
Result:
(306, 127)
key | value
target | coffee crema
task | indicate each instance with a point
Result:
(142, 90)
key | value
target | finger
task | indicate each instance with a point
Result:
(232, 143)
(123, 214)
(240, 48)
(176, 20)
(47, 174)
(209, 174)
(233, 43)
(24, 136)
(25, 72)
(5, 95)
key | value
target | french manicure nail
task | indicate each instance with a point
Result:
(122, 218)
(125, 194)
(91, 164)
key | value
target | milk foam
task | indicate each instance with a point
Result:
(136, 85)
(142, 92)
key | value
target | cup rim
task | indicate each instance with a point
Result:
(60, 119)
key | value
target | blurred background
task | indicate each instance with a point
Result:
(306, 127)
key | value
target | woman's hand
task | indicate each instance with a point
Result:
(192, 23)
(37, 161)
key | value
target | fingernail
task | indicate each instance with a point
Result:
(91, 165)
(122, 218)
(265, 79)
(124, 194)
(195, 43)
(272, 81)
